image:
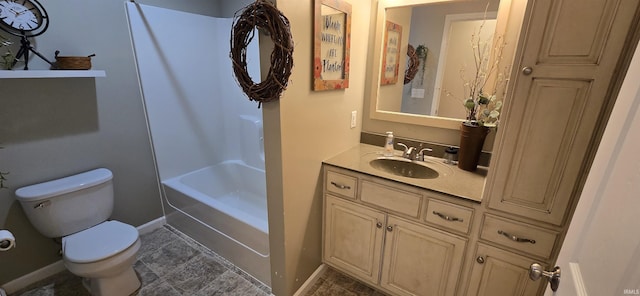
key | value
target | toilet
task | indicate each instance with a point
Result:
(77, 208)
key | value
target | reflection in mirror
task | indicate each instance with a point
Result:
(455, 54)
(442, 30)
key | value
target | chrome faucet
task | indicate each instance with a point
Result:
(408, 151)
(420, 154)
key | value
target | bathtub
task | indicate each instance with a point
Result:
(224, 207)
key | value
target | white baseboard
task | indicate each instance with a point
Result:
(56, 267)
(28, 279)
(308, 284)
(152, 225)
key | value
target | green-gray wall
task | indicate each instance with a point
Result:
(50, 128)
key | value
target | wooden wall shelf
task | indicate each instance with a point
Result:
(51, 73)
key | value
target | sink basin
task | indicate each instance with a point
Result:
(404, 168)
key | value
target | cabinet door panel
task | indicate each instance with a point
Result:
(352, 239)
(419, 260)
(502, 274)
(547, 129)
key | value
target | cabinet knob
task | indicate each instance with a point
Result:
(389, 228)
(379, 224)
(480, 259)
(527, 70)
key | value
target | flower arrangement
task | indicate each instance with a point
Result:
(484, 88)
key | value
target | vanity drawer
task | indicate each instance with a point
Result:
(341, 184)
(390, 198)
(449, 215)
(527, 238)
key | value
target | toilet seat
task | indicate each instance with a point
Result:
(99, 242)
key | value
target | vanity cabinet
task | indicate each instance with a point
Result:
(570, 54)
(353, 237)
(381, 236)
(497, 272)
(420, 260)
(569, 61)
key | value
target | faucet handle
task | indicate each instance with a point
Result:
(407, 150)
(420, 154)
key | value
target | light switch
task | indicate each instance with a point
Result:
(354, 116)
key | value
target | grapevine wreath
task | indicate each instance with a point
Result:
(268, 19)
(412, 68)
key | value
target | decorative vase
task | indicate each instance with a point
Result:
(471, 141)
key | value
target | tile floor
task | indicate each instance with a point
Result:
(335, 283)
(170, 263)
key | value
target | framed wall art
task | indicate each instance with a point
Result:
(391, 53)
(332, 37)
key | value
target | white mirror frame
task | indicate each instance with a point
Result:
(416, 119)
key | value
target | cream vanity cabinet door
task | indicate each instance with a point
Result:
(353, 238)
(419, 260)
(570, 54)
(496, 272)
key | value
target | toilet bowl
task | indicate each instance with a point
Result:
(104, 254)
(76, 209)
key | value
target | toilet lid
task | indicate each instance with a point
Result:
(99, 242)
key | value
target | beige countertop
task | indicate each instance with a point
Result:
(452, 180)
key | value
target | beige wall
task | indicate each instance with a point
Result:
(302, 129)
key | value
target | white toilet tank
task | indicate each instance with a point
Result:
(64, 206)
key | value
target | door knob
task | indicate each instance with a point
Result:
(537, 271)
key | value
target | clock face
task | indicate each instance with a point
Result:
(22, 15)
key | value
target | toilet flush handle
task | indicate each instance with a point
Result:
(43, 204)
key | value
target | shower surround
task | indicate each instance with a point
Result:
(207, 136)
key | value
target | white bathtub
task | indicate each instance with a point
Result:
(230, 199)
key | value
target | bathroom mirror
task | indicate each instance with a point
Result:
(439, 26)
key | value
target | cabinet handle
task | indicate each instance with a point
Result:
(527, 70)
(448, 218)
(480, 259)
(389, 228)
(340, 185)
(379, 224)
(516, 239)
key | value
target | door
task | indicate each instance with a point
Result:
(601, 251)
(570, 52)
(420, 260)
(353, 238)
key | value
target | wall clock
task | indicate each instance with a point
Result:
(24, 18)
